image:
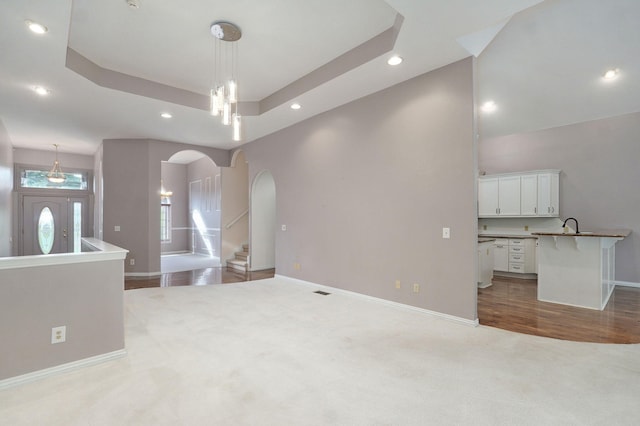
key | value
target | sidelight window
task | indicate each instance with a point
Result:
(165, 220)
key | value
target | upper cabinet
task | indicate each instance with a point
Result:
(526, 194)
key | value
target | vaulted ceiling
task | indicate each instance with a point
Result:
(112, 69)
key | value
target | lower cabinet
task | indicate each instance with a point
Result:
(501, 254)
(517, 255)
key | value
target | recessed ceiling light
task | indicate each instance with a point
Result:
(611, 74)
(166, 115)
(489, 106)
(36, 28)
(42, 91)
(394, 60)
(296, 106)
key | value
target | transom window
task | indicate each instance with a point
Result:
(33, 178)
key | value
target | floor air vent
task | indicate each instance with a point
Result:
(323, 293)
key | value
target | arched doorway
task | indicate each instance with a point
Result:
(235, 212)
(263, 222)
(190, 212)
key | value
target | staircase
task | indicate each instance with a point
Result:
(240, 262)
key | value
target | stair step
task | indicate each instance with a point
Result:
(242, 255)
(238, 265)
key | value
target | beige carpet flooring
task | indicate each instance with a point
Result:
(272, 352)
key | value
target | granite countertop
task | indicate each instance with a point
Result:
(606, 233)
(485, 240)
(494, 236)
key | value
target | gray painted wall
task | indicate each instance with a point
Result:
(34, 300)
(174, 177)
(131, 171)
(599, 179)
(365, 190)
(45, 158)
(6, 186)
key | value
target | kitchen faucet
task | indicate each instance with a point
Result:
(575, 220)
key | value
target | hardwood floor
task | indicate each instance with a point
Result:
(512, 304)
(221, 275)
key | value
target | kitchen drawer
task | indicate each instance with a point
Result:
(516, 267)
(516, 257)
(516, 241)
(516, 249)
(501, 242)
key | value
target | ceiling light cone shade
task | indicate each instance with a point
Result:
(226, 113)
(236, 121)
(233, 92)
(56, 175)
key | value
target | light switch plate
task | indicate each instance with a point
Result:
(446, 233)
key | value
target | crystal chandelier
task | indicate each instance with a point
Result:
(224, 90)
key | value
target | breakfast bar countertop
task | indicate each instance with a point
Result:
(601, 233)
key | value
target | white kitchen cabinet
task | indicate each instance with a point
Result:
(509, 196)
(488, 197)
(499, 196)
(525, 194)
(501, 254)
(549, 194)
(516, 255)
(485, 264)
(522, 255)
(529, 195)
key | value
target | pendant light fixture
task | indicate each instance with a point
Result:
(56, 175)
(224, 89)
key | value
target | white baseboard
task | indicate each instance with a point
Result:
(58, 369)
(473, 323)
(142, 274)
(627, 284)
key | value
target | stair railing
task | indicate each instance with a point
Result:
(234, 221)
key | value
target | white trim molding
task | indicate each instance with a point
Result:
(142, 274)
(473, 323)
(627, 284)
(63, 368)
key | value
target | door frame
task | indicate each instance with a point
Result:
(19, 193)
(70, 197)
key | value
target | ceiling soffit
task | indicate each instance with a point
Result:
(359, 55)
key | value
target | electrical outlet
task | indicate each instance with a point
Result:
(484, 227)
(526, 227)
(58, 334)
(397, 283)
(132, 262)
(296, 266)
(284, 227)
(116, 228)
(446, 232)
(416, 288)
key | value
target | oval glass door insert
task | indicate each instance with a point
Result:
(45, 230)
